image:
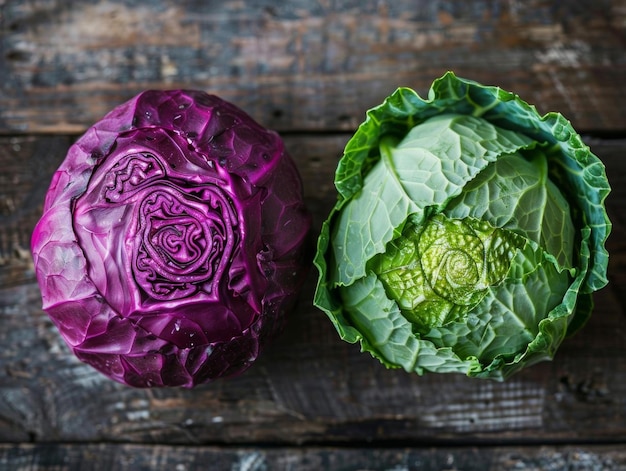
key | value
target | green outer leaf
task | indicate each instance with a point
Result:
(573, 168)
(385, 329)
(552, 330)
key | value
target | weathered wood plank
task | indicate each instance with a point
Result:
(104, 457)
(308, 387)
(305, 65)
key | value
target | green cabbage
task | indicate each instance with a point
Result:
(468, 235)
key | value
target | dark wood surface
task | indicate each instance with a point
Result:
(309, 70)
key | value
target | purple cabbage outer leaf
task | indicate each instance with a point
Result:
(173, 240)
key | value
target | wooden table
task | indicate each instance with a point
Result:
(309, 70)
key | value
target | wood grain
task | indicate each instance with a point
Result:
(304, 65)
(105, 457)
(309, 387)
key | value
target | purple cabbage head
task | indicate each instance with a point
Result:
(173, 240)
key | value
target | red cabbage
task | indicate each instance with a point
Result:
(173, 240)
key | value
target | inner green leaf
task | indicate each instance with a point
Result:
(437, 272)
